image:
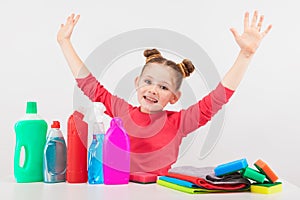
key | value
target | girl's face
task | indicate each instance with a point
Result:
(156, 88)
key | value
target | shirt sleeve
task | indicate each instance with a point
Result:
(200, 113)
(96, 92)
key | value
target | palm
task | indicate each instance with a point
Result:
(66, 29)
(252, 36)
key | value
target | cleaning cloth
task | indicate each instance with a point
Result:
(178, 182)
(205, 178)
(207, 173)
(184, 189)
(171, 183)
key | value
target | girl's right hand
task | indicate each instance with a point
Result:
(66, 29)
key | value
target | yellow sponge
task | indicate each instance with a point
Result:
(266, 188)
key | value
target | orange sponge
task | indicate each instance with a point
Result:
(264, 168)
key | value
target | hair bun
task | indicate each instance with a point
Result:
(151, 53)
(186, 67)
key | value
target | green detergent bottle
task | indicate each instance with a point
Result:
(30, 142)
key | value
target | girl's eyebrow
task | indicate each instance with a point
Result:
(165, 82)
(147, 76)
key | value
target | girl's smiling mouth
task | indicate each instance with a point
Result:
(150, 99)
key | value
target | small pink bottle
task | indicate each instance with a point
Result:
(116, 154)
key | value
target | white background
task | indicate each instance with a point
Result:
(261, 119)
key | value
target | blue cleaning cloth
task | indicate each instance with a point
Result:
(178, 182)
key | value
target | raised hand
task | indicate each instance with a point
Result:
(63, 37)
(250, 40)
(66, 29)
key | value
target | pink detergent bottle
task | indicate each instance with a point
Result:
(116, 154)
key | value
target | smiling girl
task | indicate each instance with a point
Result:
(156, 134)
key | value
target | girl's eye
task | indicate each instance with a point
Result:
(164, 87)
(148, 82)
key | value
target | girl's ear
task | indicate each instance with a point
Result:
(136, 82)
(175, 97)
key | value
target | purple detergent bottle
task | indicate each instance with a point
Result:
(116, 154)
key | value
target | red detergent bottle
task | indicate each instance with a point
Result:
(116, 154)
(77, 149)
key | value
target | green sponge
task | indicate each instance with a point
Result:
(253, 175)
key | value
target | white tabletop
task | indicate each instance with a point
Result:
(9, 189)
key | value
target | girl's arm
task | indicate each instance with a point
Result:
(63, 38)
(249, 41)
(85, 80)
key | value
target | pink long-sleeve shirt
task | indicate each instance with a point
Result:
(155, 138)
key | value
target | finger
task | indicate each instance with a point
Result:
(266, 31)
(76, 19)
(246, 20)
(261, 19)
(234, 32)
(70, 18)
(62, 25)
(254, 19)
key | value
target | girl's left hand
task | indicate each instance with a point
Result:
(249, 41)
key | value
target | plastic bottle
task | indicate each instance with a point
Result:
(116, 154)
(30, 141)
(95, 158)
(55, 155)
(77, 149)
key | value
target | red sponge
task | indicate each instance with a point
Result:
(264, 168)
(142, 177)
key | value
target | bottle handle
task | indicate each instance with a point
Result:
(18, 157)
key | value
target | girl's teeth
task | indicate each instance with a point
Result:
(151, 99)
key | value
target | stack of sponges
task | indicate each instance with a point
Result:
(259, 183)
(234, 176)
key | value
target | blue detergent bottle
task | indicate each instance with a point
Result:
(95, 154)
(55, 155)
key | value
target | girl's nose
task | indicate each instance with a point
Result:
(153, 90)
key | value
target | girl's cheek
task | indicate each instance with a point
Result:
(142, 86)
